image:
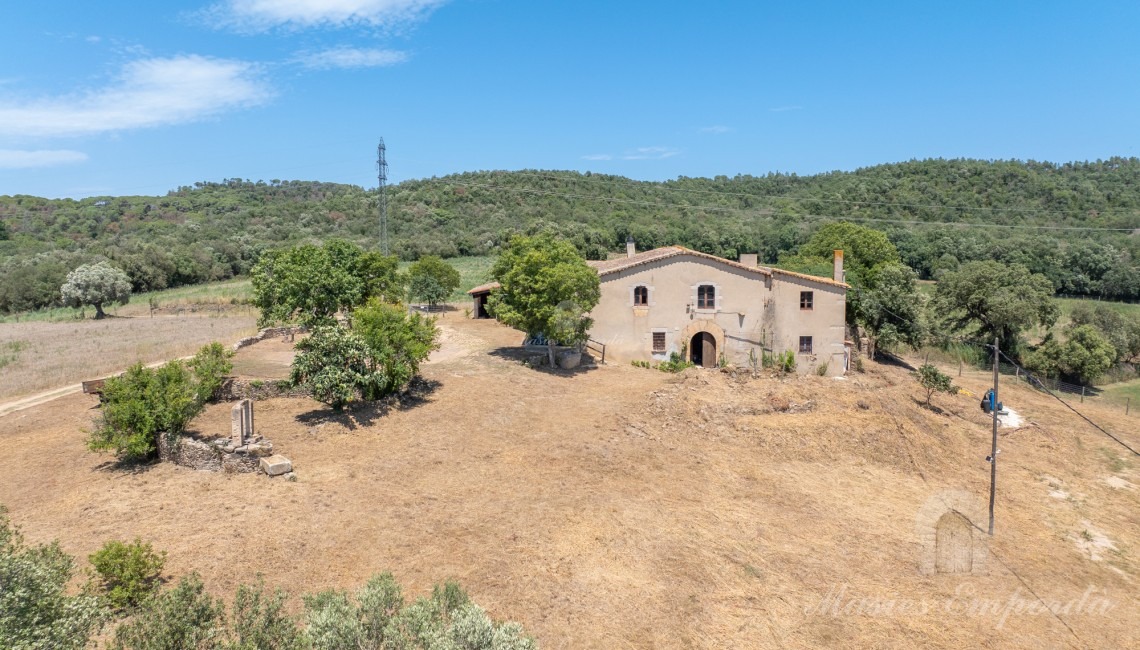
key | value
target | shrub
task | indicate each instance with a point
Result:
(934, 380)
(210, 366)
(127, 573)
(398, 343)
(785, 361)
(35, 611)
(335, 364)
(676, 363)
(260, 621)
(821, 370)
(184, 617)
(142, 403)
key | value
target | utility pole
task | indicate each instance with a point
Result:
(382, 169)
(993, 447)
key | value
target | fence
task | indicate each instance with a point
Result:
(1055, 385)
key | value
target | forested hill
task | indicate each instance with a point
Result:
(211, 231)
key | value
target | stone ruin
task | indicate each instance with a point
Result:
(243, 451)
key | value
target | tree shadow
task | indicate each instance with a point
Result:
(522, 355)
(929, 407)
(124, 467)
(888, 359)
(364, 414)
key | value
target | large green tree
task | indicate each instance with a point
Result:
(432, 280)
(398, 341)
(96, 285)
(313, 283)
(545, 287)
(890, 307)
(989, 299)
(1121, 331)
(1083, 356)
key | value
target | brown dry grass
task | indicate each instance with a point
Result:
(625, 508)
(58, 354)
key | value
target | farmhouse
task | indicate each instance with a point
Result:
(712, 310)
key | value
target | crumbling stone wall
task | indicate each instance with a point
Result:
(238, 389)
(268, 333)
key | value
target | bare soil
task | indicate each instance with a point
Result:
(619, 507)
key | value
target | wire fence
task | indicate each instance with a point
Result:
(1042, 383)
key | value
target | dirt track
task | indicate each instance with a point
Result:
(620, 507)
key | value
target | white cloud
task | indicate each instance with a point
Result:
(18, 159)
(598, 156)
(149, 93)
(261, 15)
(716, 129)
(781, 109)
(650, 153)
(351, 57)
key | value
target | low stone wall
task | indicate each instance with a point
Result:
(215, 456)
(233, 389)
(268, 333)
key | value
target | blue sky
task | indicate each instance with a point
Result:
(118, 97)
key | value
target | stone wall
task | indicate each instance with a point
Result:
(215, 456)
(238, 389)
(268, 333)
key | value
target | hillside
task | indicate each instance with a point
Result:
(626, 507)
(212, 231)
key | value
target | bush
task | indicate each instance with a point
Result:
(934, 380)
(398, 343)
(821, 370)
(140, 405)
(184, 617)
(378, 618)
(127, 573)
(35, 611)
(335, 364)
(260, 621)
(211, 365)
(676, 363)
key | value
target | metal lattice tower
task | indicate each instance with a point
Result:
(382, 167)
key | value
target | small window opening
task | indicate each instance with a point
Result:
(641, 296)
(659, 341)
(805, 344)
(706, 297)
(807, 299)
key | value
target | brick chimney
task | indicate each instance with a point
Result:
(630, 247)
(750, 259)
(837, 273)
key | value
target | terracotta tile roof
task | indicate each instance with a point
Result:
(607, 267)
(483, 288)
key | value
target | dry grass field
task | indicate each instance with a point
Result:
(55, 354)
(620, 507)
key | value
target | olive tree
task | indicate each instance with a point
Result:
(545, 287)
(96, 285)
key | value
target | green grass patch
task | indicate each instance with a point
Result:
(1121, 392)
(10, 352)
(473, 271)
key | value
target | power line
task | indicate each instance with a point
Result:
(661, 186)
(768, 212)
(1037, 381)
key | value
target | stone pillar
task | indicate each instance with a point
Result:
(241, 422)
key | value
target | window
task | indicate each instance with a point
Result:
(640, 296)
(805, 344)
(659, 341)
(706, 297)
(807, 298)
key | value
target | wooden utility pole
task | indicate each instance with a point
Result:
(993, 447)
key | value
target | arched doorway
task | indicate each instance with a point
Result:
(702, 350)
(954, 544)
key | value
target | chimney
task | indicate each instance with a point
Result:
(750, 259)
(837, 273)
(630, 247)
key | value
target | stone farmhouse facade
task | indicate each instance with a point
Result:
(714, 310)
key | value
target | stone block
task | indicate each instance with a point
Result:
(276, 465)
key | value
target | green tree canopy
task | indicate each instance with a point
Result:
(988, 299)
(432, 280)
(1122, 332)
(933, 381)
(96, 285)
(891, 309)
(312, 283)
(399, 342)
(545, 287)
(1083, 357)
(863, 248)
(35, 608)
